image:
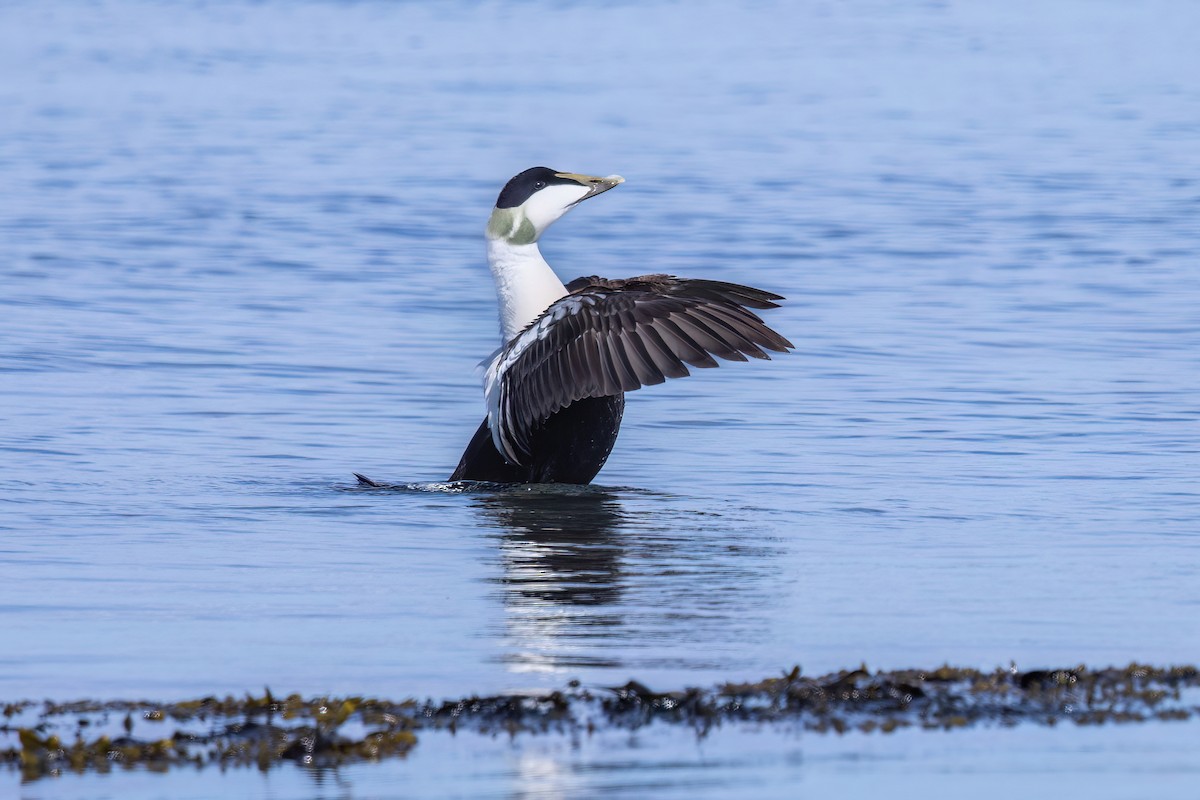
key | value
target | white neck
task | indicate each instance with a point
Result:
(525, 284)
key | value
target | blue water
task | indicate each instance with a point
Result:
(241, 257)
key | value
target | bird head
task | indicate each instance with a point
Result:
(533, 200)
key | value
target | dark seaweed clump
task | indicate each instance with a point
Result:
(48, 738)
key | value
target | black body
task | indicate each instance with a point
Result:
(570, 446)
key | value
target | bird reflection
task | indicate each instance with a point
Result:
(561, 555)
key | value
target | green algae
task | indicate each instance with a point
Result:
(48, 738)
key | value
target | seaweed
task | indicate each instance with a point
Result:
(49, 738)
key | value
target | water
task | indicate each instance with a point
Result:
(991, 765)
(241, 256)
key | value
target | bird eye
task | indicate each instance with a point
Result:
(540, 185)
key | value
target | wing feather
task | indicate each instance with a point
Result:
(648, 374)
(731, 331)
(707, 338)
(612, 336)
(668, 363)
(683, 345)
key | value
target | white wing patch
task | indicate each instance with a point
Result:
(495, 373)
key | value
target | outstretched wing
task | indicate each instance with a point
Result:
(612, 336)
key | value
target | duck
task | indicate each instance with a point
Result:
(555, 388)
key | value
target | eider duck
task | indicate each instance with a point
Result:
(556, 388)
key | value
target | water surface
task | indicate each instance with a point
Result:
(241, 254)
